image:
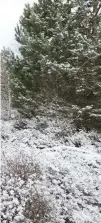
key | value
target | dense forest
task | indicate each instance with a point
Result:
(59, 59)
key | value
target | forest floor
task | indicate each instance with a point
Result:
(50, 172)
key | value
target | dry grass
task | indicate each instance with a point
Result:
(23, 167)
(35, 207)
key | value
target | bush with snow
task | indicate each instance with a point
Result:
(21, 201)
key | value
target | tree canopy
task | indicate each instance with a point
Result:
(60, 55)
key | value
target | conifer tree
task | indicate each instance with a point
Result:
(60, 54)
(89, 62)
(46, 38)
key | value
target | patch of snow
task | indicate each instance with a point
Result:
(70, 164)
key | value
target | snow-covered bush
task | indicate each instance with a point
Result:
(87, 118)
(23, 167)
(37, 209)
(20, 124)
(21, 201)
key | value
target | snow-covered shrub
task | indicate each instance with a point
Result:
(37, 208)
(23, 167)
(41, 125)
(21, 200)
(86, 118)
(20, 124)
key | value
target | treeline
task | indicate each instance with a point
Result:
(59, 57)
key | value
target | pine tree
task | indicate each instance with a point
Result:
(89, 69)
(60, 54)
(45, 36)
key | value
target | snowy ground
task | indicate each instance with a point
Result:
(59, 164)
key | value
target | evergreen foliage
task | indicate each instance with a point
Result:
(60, 56)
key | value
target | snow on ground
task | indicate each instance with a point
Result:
(60, 164)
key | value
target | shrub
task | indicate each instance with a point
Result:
(21, 201)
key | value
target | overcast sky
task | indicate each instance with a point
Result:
(10, 11)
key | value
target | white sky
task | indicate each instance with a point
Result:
(10, 11)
